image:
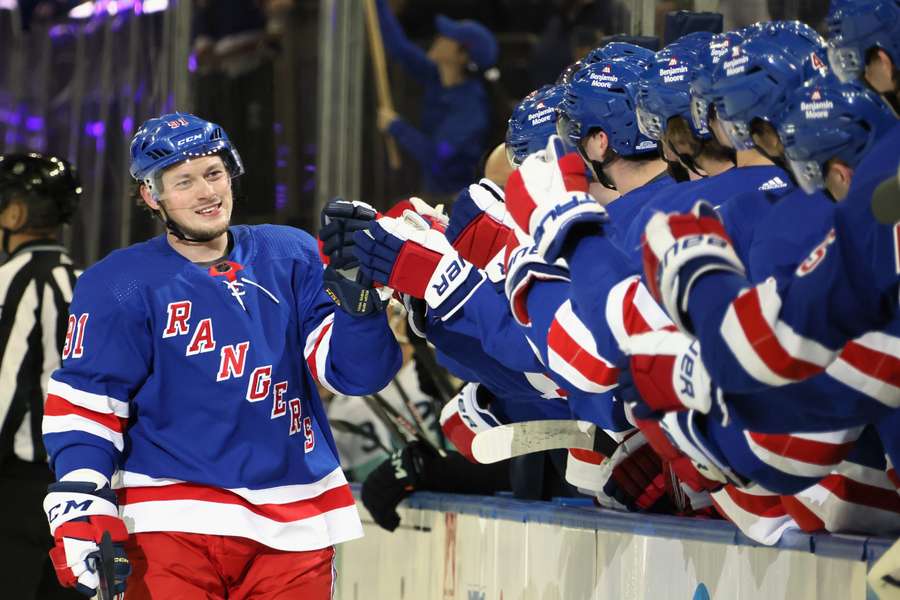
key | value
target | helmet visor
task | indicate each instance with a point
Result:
(650, 124)
(846, 62)
(738, 133)
(567, 129)
(514, 160)
(808, 174)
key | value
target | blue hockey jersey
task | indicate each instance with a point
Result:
(781, 331)
(198, 387)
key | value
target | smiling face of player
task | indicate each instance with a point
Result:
(196, 195)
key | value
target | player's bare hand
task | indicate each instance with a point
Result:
(386, 116)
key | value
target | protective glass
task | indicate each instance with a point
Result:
(514, 161)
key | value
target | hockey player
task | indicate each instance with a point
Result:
(189, 382)
(38, 193)
(851, 299)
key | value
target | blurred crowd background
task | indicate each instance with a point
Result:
(290, 80)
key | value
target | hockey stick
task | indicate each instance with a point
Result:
(411, 408)
(104, 563)
(412, 433)
(507, 441)
(348, 427)
(400, 437)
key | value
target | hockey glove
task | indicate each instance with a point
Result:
(467, 414)
(633, 477)
(343, 282)
(339, 220)
(79, 514)
(393, 480)
(525, 267)
(680, 248)
(547, 198)
(411, 257)
(480, 224)
(668, 373)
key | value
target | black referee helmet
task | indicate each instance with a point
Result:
(36, 179)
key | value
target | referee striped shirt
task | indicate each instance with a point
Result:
(36, 286)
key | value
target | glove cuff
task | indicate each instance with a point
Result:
(453, 282)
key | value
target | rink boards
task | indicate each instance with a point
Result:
(478, 548)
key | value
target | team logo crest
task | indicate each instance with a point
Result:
(179, 122)
(817, 63)
(228, 270)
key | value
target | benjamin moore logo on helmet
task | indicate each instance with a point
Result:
(188, 139)
(181, 121)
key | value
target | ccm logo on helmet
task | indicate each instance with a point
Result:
(188, 139)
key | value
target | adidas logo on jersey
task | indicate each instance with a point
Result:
(776, 183)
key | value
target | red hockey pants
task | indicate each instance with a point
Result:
(193, 566)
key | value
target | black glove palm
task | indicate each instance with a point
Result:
(393, 480)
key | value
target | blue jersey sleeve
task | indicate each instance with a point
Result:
(346, 354)
(107, 356)
(400, 48)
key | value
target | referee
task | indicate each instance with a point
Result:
(37, 195)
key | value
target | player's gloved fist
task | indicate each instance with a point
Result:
(467, 414)
(680, 248)
(393, 480)
(349, 288)
(668, 375)
(339, 220)
(525, 266)
(408, 255)
(680, 463)
(479, 225)
(79, 514)
(633, 476)
(547, 197)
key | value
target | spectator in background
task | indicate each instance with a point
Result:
(455, 117)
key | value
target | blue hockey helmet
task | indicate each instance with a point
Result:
(856, 26)
(165, 141)
(664, 90)
(826, 119)
(532, 122)
(604, 96)
(756, 78)
(613, 50)
(701, 83)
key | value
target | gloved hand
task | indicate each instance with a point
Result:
(633, 477)
(467, 414)
(393, 480)
(668, 373)
(699, 477)
(79, 514)
(339, 220)
(678, 249)
(411, 257)
(525, 266)
(547, 197)
(343, 282)
(479, 225)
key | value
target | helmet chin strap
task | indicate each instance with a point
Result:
(597, 168)
(172, 226)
